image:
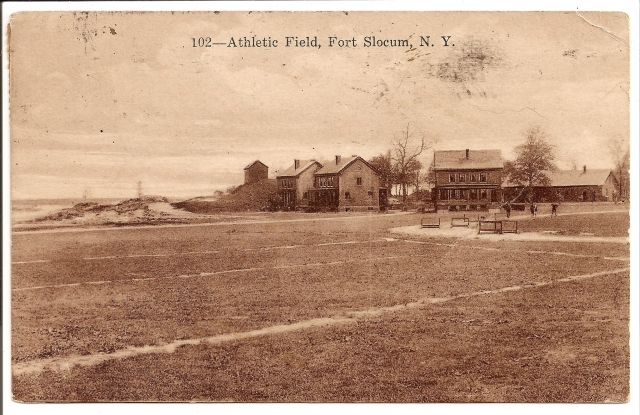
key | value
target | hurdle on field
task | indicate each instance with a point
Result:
(497, 226)
(460, 221)
(430, 223)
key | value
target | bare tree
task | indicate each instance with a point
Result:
(534, 159)
(619, 150)
(405, 155)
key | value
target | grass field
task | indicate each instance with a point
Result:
(334, 309)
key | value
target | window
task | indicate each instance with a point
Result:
(472, 177)
(461, 178)
(483, 177)
(483, 194)
(370, 193)
(474, 193)
(443, 194)
(452, 177)
(359, 181)
(347, 195)
(325, 181)
(457, 194)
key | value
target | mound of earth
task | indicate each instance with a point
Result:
(253, 196)
(73, 212)
(82, 209)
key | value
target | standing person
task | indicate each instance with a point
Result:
(554, 209)
(532, 209)
(507, 209)
(535, 210)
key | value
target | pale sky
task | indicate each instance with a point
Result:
(100, 101)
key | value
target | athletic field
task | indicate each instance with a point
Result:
(303, 307)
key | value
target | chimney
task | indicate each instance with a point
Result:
(467, 153)
(584, 169)
(296, 164)
(338, 160)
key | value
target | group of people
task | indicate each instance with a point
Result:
(533, 208)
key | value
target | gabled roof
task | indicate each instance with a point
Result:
(257, 161)
(293, 172)
(566, 178)
(478, 159)
(331, 167)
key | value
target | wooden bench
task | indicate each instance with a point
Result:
(430, 223)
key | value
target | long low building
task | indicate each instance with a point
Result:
(568, 186)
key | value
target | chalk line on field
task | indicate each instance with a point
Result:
(149, 255)
(230, 271)
(486, 248)
(317, 264)
(265, 248)
(67, 362)
(30, 262)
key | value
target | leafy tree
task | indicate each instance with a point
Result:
(405, 157)
(534, 159)
(386, 170)
(619, 149)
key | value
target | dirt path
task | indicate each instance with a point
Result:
(66, 363)
(472, 233)
(185, 225)
(596, 212)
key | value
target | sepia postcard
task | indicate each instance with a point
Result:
(328, 206)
